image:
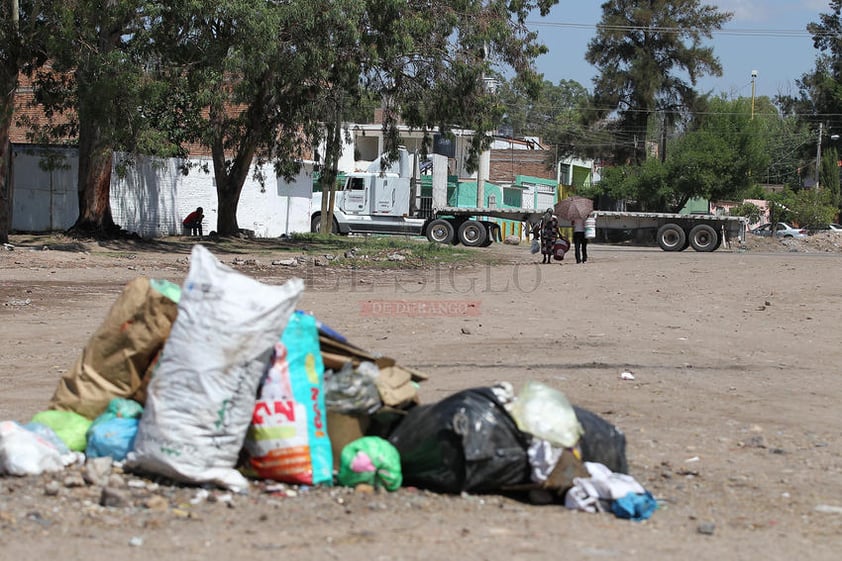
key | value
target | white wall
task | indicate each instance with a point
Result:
(278, 208)
(154, 197)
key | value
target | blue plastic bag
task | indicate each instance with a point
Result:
(635, 506)
(112, 437)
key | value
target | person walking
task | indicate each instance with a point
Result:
(549, 235)
(580, 242)
(193, 222)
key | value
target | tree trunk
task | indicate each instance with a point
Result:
(332, 153)
(228, 197)
(6, 112)
(230, 179)
(94, 184)
(229, 185)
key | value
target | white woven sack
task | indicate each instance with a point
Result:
(202, 394)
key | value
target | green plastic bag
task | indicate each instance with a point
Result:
(372, 460)
(118, 407)
(70, 427)
(167, 288)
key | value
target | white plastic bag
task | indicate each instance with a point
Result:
(547, 414)
(24, 452)
(595, 493)
(202, 393)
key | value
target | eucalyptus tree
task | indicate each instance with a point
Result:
(93, 91)
(650, 56)
(249, 72)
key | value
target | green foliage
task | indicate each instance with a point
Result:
(809, 207)
(554, 114)
(646, 186)
(829, 175)
(722, 155)
(819, 98)
(98, 75)
(820, 90)
(748, 210)
(649, 56)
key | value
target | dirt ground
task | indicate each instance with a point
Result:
(732, 418)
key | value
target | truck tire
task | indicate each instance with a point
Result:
(440, 231)
(671, 237)
(316, 225)
(472, 233)
(703, 237)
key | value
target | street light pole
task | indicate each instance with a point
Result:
(819, 156)
(753, 78)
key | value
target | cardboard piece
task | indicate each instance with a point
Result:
(343, 429)
(336, 353)
(119, 353)
(396, 388)
(395, 384)
(569, 467)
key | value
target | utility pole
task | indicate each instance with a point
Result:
(753, 78)
(819, 155)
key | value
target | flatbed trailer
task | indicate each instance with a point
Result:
(677, 232)
(387, 203)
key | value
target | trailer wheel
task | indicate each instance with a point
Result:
(671, 237)
(316, 225)
(440, 231)
(703, 237)
(472, 233)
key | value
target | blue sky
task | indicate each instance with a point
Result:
(777, 45)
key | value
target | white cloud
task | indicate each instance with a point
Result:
(778, 12)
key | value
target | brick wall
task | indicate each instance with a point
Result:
(507, 164)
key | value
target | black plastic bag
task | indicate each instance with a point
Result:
(466, 442)
(602, 442)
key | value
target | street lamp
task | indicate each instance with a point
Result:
(753, 78)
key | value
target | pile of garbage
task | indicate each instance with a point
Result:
(222, 380)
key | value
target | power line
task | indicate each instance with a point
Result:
(775, 33)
